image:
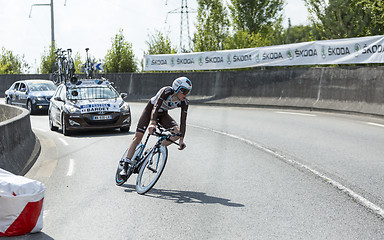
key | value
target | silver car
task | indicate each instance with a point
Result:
(88, 104)
(31, 94)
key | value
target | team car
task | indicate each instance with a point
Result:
(88, 104)
(31, 94)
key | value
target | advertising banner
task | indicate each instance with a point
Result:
(340, 51)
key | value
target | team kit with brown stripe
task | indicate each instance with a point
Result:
(156, 110)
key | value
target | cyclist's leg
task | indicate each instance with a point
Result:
(134, 143)
(140, 130)
(168, 122)
(131, 151)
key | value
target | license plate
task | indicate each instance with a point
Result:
(103, 117)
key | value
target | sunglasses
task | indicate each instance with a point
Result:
(184, 91)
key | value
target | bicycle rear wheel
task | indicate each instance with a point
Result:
(56, 78)
(120, 180)
(151, 169)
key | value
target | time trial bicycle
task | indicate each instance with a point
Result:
(149, 163)
(69, 67)
(58, 75)
(64, 67)
(88, 66)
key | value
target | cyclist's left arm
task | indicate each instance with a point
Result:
(183, 123)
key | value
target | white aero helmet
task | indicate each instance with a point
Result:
(182, 84)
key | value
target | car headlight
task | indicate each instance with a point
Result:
(72, 109)
(37, 99)
(124, 107)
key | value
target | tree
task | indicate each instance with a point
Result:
(120, 58)
(244, 39)
(376, 10)
(347, 18)
(11, 63)
(77, 62)
(48, 60)
(300, 33)
(160, 44)
(212, 28)
(256, 16)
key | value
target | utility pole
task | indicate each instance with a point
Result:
(52, 21)
(185, 38)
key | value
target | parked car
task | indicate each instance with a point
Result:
(31, 94)
(88, 104)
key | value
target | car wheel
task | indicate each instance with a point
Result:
(66, 132)
(124, 129)
(8, 101)
(51, 126)
(30, 107)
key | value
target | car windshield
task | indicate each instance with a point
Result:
(41, 87)
(83, 93)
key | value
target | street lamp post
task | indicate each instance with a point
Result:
(52, 21)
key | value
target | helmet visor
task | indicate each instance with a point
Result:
(184, 91)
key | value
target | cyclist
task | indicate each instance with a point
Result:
(167, 98)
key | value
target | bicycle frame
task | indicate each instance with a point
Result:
(148, 161)
(139, 156)
(62, 66)
(160, 139)
(88, 69)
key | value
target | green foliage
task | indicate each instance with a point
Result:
(256, 23)
(12, 64)
(244, 39)
(48, 60)
(256, 16)
(375, 9)
(120, 58)
(300, 33)
(347, 18)
(78, 63)
(212, 26)
(343, 19)
(160, 44)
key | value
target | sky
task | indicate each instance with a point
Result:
(80, 24)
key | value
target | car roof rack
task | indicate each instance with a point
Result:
(89, 82)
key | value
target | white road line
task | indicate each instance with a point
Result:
(63, 141)
(300, 114)
(355, 196)
(375, 124)
(39, 129)
(71, 167)
(45, 214)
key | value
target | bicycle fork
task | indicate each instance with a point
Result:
(150, 155)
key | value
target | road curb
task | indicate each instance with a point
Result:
(19, 146)
(33, 158)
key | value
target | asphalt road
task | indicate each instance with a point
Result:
(246, 174)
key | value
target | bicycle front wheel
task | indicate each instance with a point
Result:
(151, 169)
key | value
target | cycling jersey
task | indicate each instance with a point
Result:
(165, 94)
(157, 108)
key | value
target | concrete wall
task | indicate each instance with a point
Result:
(19, 147)
(348, 89)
